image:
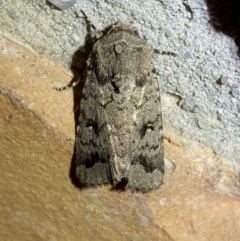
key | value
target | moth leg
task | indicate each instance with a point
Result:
(70, 85)
(96, 32)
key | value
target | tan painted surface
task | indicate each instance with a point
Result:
(40, 198)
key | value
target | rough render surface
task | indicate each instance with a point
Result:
(40, 197)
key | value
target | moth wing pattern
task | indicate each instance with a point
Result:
(92, 142)
(147, 165)
(119, 134)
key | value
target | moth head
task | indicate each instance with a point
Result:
(122, 54)
(123, 25)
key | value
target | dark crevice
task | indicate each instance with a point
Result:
(225, 17)
(115, 87)
(188, 8)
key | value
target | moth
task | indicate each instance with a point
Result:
(119, 133)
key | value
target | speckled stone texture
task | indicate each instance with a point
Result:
(40, 198)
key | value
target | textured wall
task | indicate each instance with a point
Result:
(40, 198)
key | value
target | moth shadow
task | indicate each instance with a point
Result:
(77, 90)
(78, 65)
(72, 174)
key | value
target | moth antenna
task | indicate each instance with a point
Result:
(96, 33)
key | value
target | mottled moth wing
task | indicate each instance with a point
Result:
(120, 127)
(93, 149)
(147, 163)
